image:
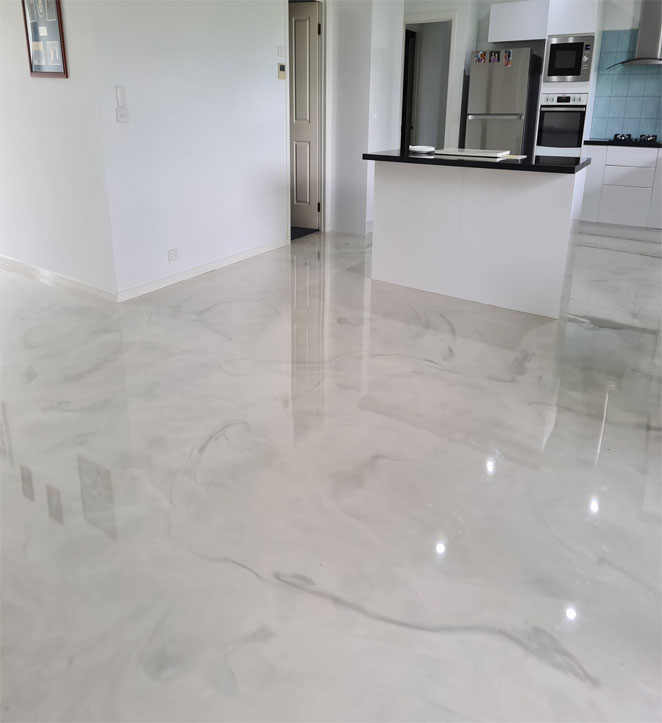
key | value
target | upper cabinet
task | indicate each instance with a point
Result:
(570, 17)
(523, 20)
(536, 19)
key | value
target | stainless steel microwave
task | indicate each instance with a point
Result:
(568, 58)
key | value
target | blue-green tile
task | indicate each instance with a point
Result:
(620, 85)
(599, 128)
(622, 70)
(640, 69)
(601, 106)
(650, 107)
(648, 125)
(609, 41)
(636, 85)
(604, 85)
(624, 40)
(614, 125)
(633, 107)
(617, 107)
(631, 126)
(607, 59)
(653, 84)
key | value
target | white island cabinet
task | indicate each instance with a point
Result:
(497, 232)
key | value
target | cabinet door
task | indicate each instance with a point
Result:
(625, 205)
(525, 20)
(634, 157)
(593, 183)
(655, 215)
(569, 17)
(626, 176)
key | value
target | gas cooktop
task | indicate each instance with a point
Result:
(644, 139)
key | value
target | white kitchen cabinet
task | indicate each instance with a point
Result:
(593, 184)
(631, 156)
(625, 205)
(627, 176)
(571, 17)
(623, 186)
(655, 214)
(523, 20)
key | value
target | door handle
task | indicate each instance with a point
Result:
(495, 116)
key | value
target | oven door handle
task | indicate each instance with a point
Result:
(566, 109)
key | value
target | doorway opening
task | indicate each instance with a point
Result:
(425, 84)
(305, 78)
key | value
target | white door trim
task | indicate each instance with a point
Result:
(321, 99)
(441, 16)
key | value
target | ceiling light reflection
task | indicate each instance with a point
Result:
(490, 464)
(440, 548)
(570, 613)
(594, 506)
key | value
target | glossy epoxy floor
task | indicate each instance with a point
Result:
(282, 492)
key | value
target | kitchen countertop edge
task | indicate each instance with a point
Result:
(394, 156)
(626, 144)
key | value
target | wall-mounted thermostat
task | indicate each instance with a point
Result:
(281, 71)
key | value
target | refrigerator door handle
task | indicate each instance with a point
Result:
(495, 116)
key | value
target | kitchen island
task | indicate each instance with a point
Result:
(496, 232)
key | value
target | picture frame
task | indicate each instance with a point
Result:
(45, 38)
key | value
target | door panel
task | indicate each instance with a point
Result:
(495, 134)
(301, 173)
(304, 114)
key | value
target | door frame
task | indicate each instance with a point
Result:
(321, 107)
(442, 16)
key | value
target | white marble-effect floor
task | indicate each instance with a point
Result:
(282, 492)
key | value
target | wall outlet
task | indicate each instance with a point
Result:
(172, 254)
(122, 115)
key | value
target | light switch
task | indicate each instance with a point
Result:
(122, 115)
(281, 71)
(120, 93)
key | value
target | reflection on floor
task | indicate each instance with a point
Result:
(279, 491)
(617, 280)
(300, 232)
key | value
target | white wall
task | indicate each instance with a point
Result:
(53, 205)
(349, 27)
(386, 65)
(202, 165)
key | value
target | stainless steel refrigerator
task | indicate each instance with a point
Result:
(502, 100)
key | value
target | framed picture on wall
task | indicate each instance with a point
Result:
(43, 32)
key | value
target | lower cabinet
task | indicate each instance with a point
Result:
(655, 215)
(623, 186)
(625, 205)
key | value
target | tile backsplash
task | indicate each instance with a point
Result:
(628, 98)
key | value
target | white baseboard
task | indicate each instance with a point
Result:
(142, 289)
(55, 279)
(52, 277)
(636, 233)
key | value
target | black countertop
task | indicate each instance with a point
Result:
(541, 164)
(630, 144)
